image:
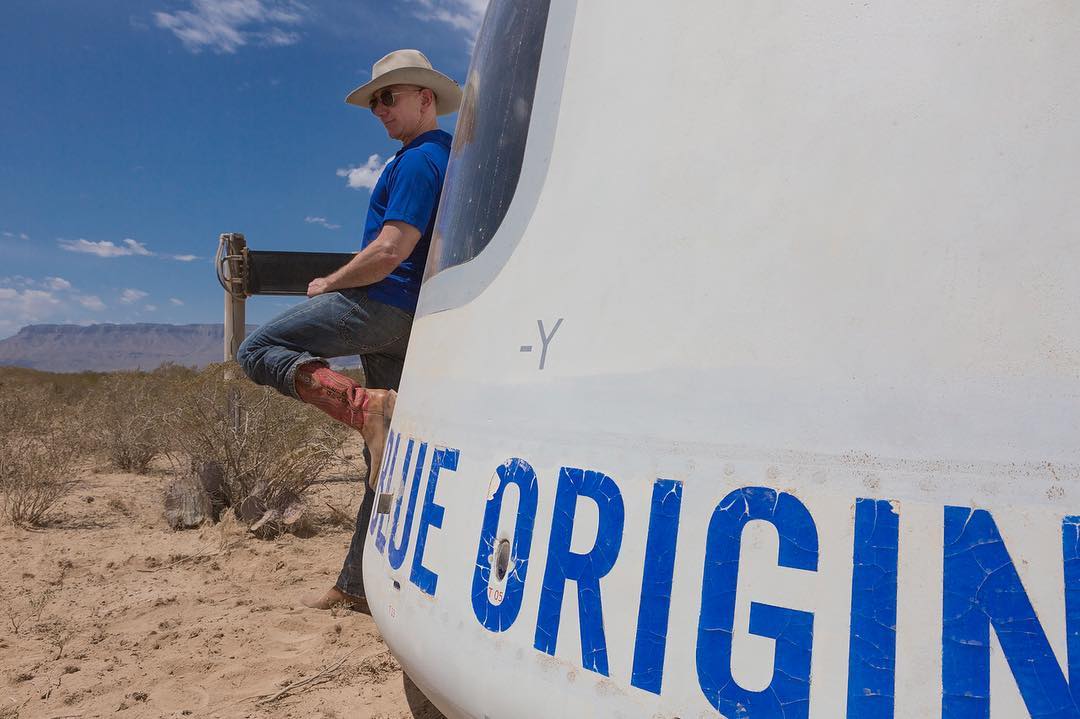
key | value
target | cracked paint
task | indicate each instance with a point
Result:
(982, 589)
(586, 569)
(499, 615)
(395, 554)
(872, 644)
(430, 516)
(788, 692)
(383, 487)
(656, 586)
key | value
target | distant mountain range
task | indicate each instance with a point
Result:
(74, 348)
(108, 347)
(104, 348)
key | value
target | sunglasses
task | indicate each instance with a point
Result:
(388, 98)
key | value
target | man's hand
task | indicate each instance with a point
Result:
(318, 286)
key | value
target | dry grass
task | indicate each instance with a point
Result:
(265, 448)
(62, 386)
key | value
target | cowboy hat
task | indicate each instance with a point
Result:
(408, 67)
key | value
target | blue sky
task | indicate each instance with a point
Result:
(134, 132)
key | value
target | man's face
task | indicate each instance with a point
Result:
(405, 115)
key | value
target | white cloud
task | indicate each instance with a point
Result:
(364, 177)
(14, 235)
(130, 296)
(127, 248)
(176, 301)
(150, 308)
(90, 302)
(105, 248)
(278, 38)
(463, 15)
(224, 26)
(26, 306)
(25, 300)
(322, 220)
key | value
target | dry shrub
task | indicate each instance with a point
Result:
(125, 418)
(267, 448)
(33, 478)
(39, 445)
(125, 414)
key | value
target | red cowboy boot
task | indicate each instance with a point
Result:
(366, 410)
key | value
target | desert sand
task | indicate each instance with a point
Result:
(106, 612)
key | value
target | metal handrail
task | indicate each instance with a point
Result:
(235, 280)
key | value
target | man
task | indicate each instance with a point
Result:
(367, 306)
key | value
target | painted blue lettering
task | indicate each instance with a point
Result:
(788, 692)
(982, 589)
(386, 472)
(872, 647)
(500, 616)
(583, 569)
(396, 554)
(655, 604)
(380, 538)
(1070, 551)
(430, 516)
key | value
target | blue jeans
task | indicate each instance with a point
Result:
(334, 324)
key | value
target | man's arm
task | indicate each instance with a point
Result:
(393, 246)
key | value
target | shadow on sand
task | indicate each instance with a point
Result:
(419, 705)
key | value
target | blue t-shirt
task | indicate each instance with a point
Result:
(408, 191)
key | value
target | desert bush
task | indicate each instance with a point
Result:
(126, 414)
(266, 449)
(125, 419)
(33, 478)
(39, 445)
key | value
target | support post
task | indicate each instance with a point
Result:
(235, 321)
(232, 272)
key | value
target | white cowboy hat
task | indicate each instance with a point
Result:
(408, 67)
